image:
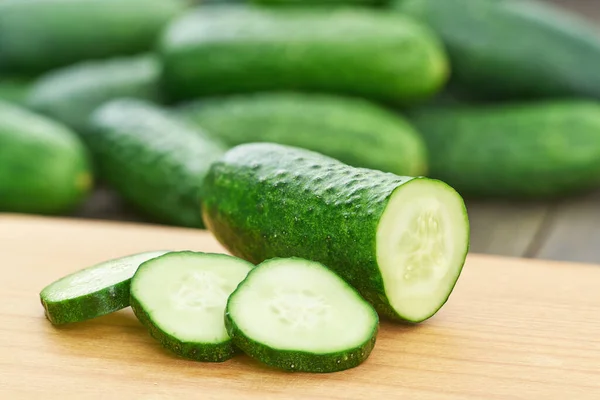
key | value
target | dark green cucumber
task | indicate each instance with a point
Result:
(181, 297)
(354, 131)
(400, 241)
(514, 48)
(298, 315)
(152, 159)
(233, 49)
(38, 35)
(72, 93)
(14, 89)
(92, 292)
(539, 149)
(44, 167)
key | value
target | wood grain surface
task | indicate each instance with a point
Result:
(513, 329)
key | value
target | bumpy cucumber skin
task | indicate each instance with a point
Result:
(513, 48)
(204, 352)
(264, 200)
(44, 167)
(94, 305)
(223, 49)
(39, 35)
(72, 93)
(517, 150)
(153, 160)
(354, 131)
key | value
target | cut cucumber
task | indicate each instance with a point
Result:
(94, 291)
(180, 298)
(298, 315)
(400, 241)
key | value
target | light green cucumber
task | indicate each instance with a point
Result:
(181, 297)
(400, 241)
(227, 49)
(94, 291)
(44, 166)
(297, 315)
(354, 131)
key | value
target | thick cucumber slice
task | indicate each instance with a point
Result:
(298, 315)
(94, 291)
(180, 298)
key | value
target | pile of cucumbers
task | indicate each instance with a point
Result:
(330, 143)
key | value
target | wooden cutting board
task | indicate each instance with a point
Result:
(513, 329)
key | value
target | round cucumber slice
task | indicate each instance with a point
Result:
(298, 315)
(94, 291)
(422, 242)
(180, 298)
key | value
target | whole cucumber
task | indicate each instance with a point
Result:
(223, 49)
(44, 167)
(514, 48)
(354, 131)
(70, 94)
(38, 35)
(153, 160)
(521, 150)
(400, 241)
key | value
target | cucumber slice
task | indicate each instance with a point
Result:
(298, 315)
(422, 241)
(94, 291)
(180, 298)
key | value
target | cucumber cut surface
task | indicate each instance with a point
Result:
(421, 242)
(94, 291)
(181, 297)
(298, 315)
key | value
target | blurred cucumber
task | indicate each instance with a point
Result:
(524, 150)
(514, 48)
(72, 93)
(354, 131)
(44, 168)
(38, 35)
(226, 49)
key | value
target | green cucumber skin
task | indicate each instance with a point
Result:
(91, 306)
(44, 167)
(556, 55)
(516, 150)
(204, 352)
(39, 35)
(354, 131)
(72, 93)
(15, 89)
(322, 3)
(263, 201)
(222, 49)
(153, 160)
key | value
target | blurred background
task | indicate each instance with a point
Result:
(497, 98)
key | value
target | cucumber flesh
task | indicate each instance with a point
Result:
(298, 315)
(421, 242)
(180, 298)
(94, 291)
